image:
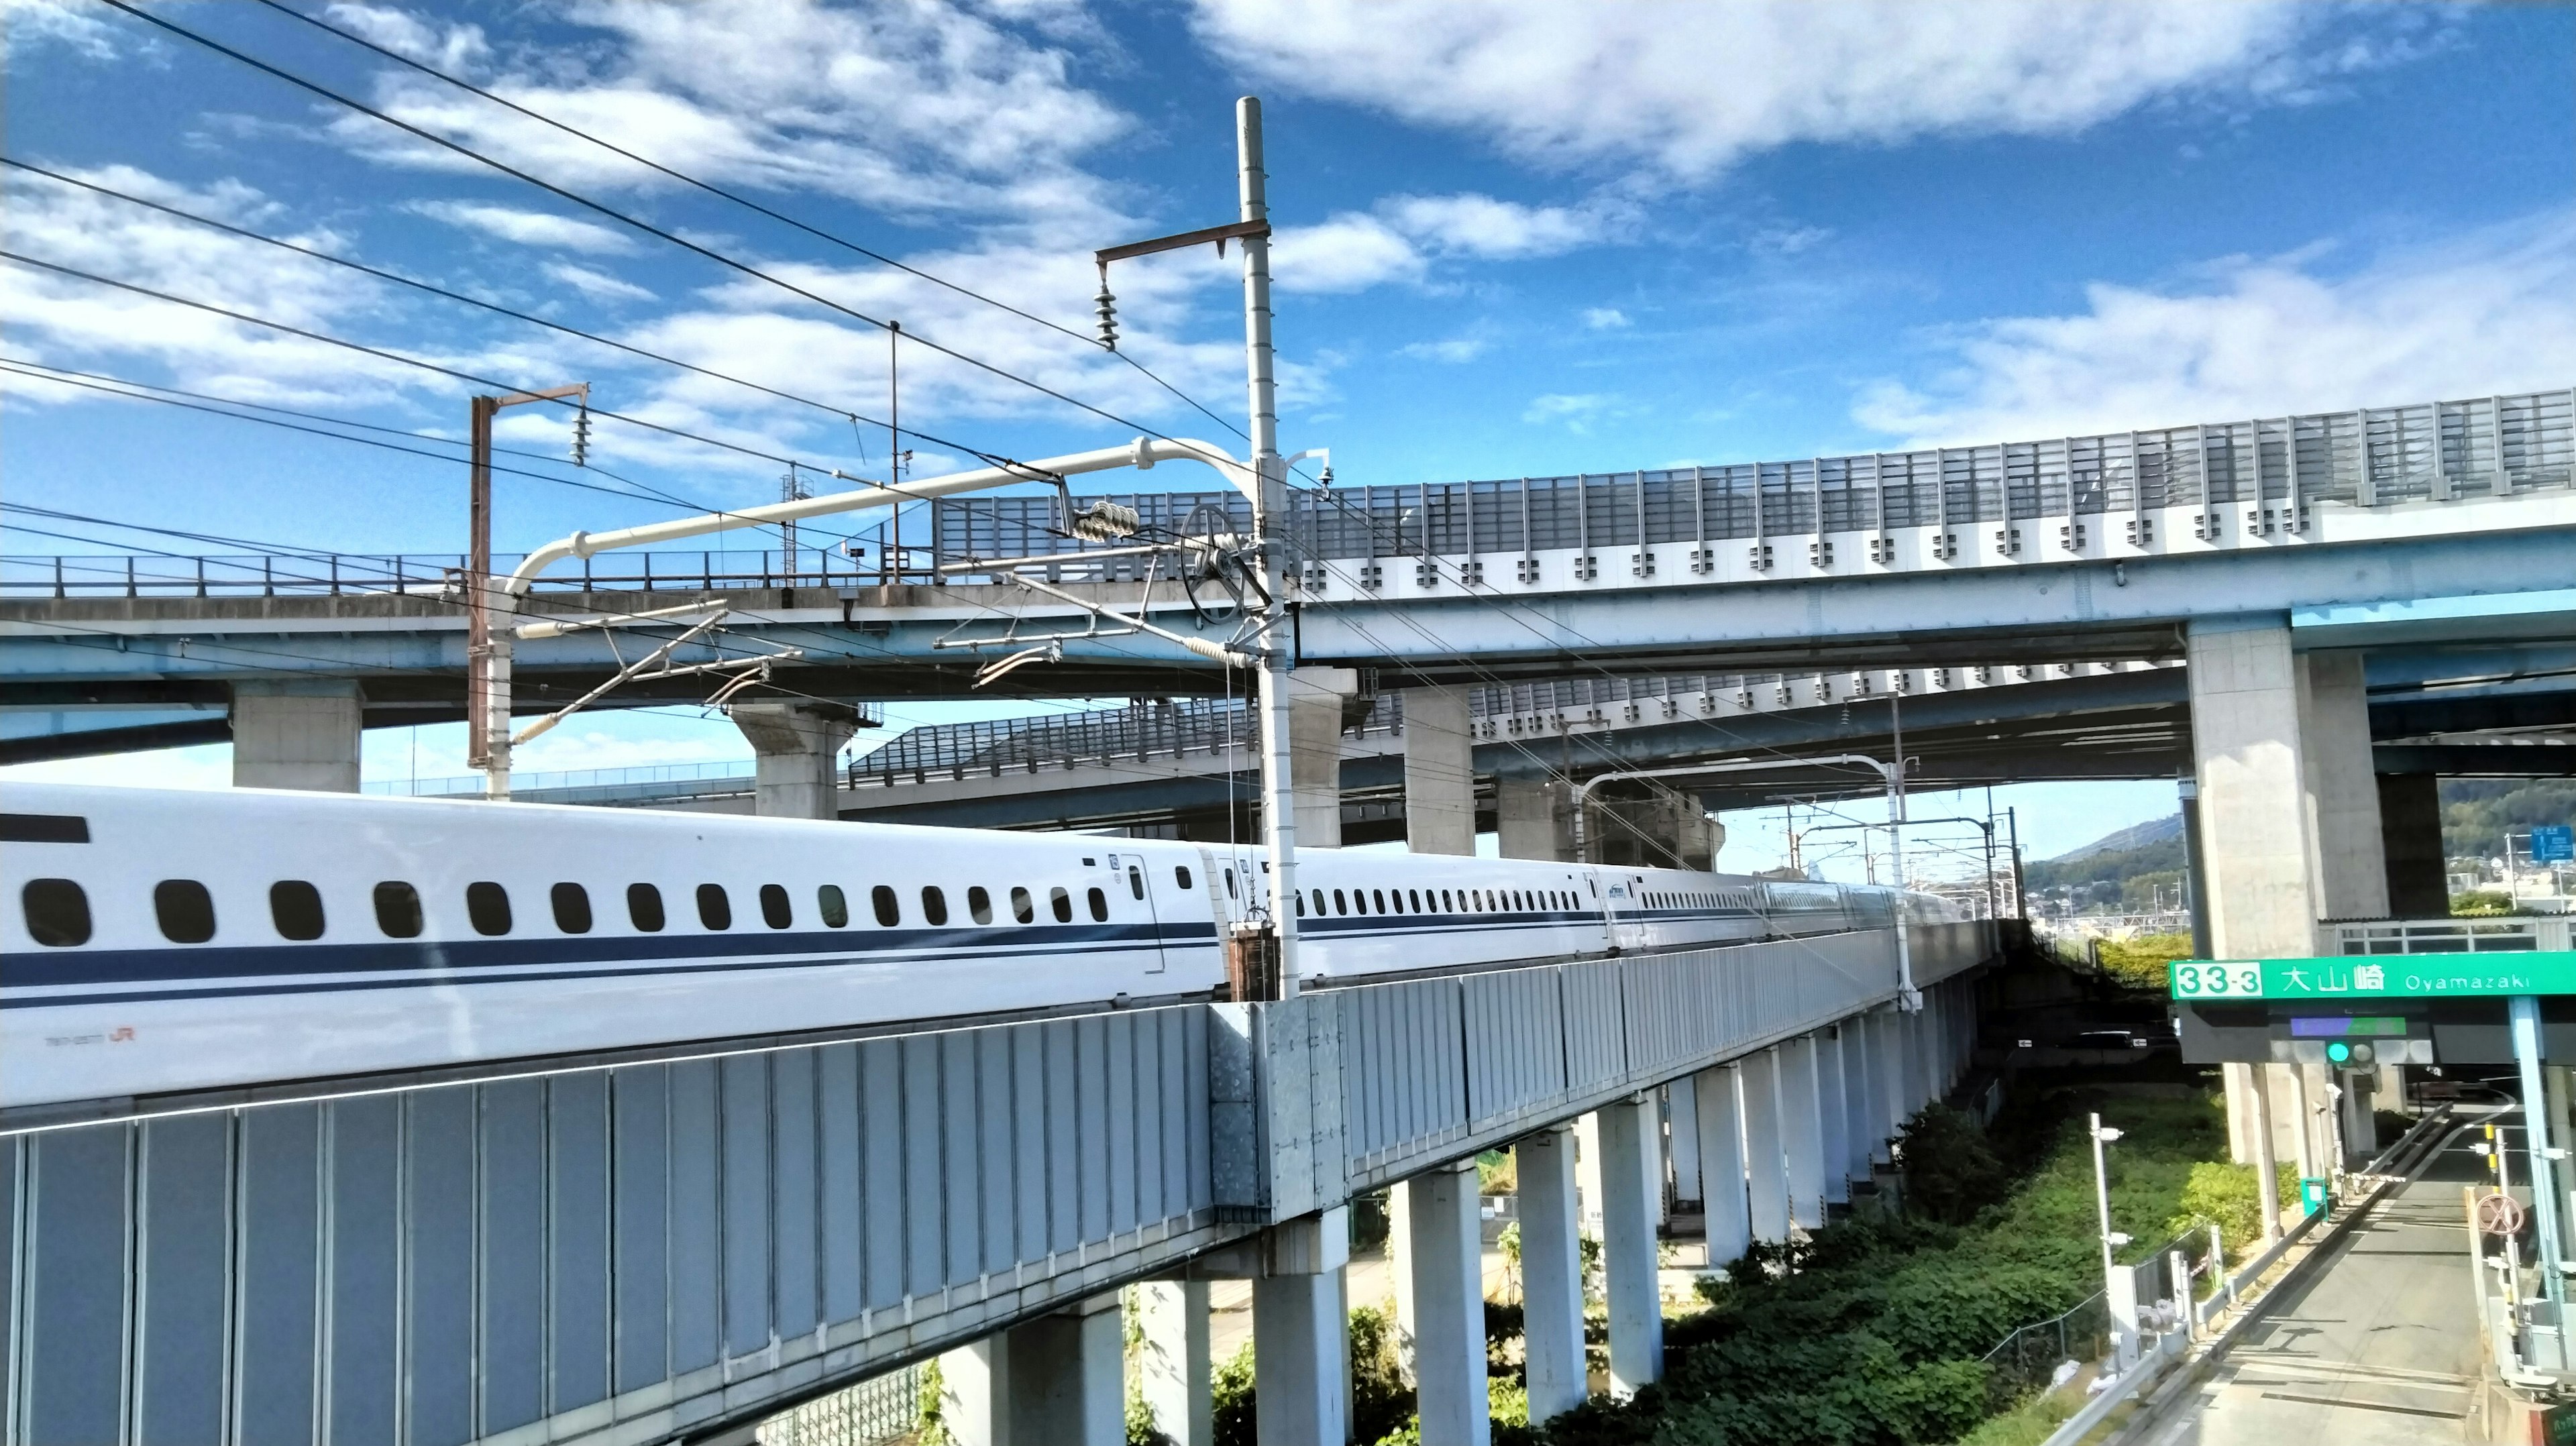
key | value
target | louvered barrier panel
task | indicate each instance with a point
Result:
(607, 1255)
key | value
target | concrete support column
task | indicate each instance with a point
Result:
(1915, 1069)
(1766, 1173)
(1681, 1138)
(1833, 1115)
(1399, 1270)
(1587, 1172)
(1860, 1127)
(1632, 1176)
(1892, 1066)
(1177, 1366)
(1059, 1378)
(295, 733)
(1300, 1333)
(2343, 789)
(1719, 1113)
(1533, 818)
(1439, 772)
(1802, 1131)
(798, 745)
(1449, 1305)
(2410, 839)
(1551, 1272)
(2254, 819)
(1315, 699)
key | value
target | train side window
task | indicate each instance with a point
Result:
(398, 909)
(1319, 903)
(1341, 905)
(1440, 897)
(1062, 903)
(775, 910)
(1378, 897)
(889, 908)
(1416, 896)
(572, 908)
(833, 905)
(644, 908)
(185, 910)
(57, 912)
(295, 907)
(1099, 906)
(487, 907)
(934, 905)
(979, 904)
(1023, 908)
(1229, 885)
(1301, 904)
(1181, 876)
(1136, 881)
(715, 908)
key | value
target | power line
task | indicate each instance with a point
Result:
(439, 291)
(623, 218)
(746, 202)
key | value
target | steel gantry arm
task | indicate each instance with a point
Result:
(507, 593)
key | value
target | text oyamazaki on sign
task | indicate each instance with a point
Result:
(2399, 975)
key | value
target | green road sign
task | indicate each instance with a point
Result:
(2382, 976)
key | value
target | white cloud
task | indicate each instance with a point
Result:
(2492, 312)
(65, 22)
(529, 228)
(1604, 318)
(1400, 238)
(1577, 411)
(1687, 90)
(1455, 350)
(597, 285)
(452, 48)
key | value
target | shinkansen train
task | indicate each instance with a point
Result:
(157, 942)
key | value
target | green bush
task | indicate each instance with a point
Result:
(2481, 904)
(1230, 1391)
(2140, 962)
(1950, 1171)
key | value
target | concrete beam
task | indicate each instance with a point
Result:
(798, 745)
(1315, 699)
(1551, 1272)
(1534, 818)
(1300, 1335)
(1802, 1131)
(1439, 772)
(1632, 1179)
(2351, 876)
(1058, 1378)
(297, 733)
(1833, 1114)
(2254, 813)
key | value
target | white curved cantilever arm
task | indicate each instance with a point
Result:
(1143, 452)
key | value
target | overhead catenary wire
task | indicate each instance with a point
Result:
(621, 217)
(737, 198)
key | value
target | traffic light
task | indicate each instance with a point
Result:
(2351, 1054)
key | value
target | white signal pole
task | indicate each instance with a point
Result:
(1270, 508)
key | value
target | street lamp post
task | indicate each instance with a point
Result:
(2111, 1239)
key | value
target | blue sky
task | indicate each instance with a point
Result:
(1515, 238)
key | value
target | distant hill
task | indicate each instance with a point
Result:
(2136, 836)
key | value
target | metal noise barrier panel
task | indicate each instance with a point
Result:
(609, 1255)
(625, 1254)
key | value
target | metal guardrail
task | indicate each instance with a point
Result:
(2374, 457)
(2456, 936)
(875, 1411)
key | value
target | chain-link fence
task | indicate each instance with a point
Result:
(2027, 1360)
(877, 1410)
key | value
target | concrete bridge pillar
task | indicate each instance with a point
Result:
(2410, 838)
(1448, 1278)
(2343, 789)
(1587, 1173)
(1681, 1138)
(1059, 1378)
(1299, 1333)
(1534, 818)
(1860, 1122)
(1439, 772)
(798, 745)
(1551, 1272)
(1178, 1368)
(1766, 1173)
(1632, 1181)
(1315, 718)
(1719, 1114)
(297, 733)
(1833, 1116)
(1802, 1131)
(1886, 1081)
